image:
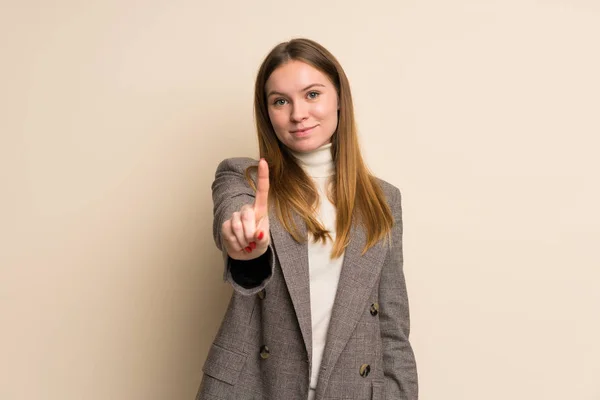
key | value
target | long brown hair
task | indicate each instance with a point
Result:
(357, 196)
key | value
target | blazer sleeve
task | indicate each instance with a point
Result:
(399, 364)
(230, 191)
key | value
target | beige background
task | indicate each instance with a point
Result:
(114, 115)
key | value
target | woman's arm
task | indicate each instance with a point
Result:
(399, 364)
(230, 191)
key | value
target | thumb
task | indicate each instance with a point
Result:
(262, 230)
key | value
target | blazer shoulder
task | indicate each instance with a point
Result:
(236, 164)
(392, 192)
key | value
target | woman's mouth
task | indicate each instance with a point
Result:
(303, 131)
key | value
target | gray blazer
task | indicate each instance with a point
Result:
(263, 348)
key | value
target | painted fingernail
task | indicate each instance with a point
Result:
(248, 249)
(253, 245)
(261, 234)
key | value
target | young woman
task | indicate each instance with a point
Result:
(312, 244)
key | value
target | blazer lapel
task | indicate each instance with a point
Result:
(293, 259)
(358, 275)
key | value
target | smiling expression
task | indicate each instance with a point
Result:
(303, 106)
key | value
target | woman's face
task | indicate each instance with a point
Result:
(303, 106)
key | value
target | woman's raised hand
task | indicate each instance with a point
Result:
(246, 233)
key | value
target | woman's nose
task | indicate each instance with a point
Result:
(299, 112)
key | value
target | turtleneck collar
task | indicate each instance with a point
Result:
(317, 163)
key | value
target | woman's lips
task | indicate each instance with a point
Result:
(303, 132)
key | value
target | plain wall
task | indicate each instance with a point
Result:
(115, 114)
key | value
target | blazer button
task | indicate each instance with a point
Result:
(364, 370)
(262, 294)
(374, 309)
(264, 352)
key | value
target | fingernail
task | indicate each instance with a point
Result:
(248, 249)
(253, 245)
(261, 234)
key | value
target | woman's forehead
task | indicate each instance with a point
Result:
(295, 76)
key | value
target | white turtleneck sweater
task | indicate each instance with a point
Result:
(323, 271)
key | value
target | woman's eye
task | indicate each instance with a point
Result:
(313, 95)
(279, 102)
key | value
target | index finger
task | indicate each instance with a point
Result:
(262, 190)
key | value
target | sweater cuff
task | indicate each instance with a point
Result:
(250, 273)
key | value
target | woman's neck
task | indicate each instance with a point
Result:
(317, 163)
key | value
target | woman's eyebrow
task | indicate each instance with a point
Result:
(272, 92)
